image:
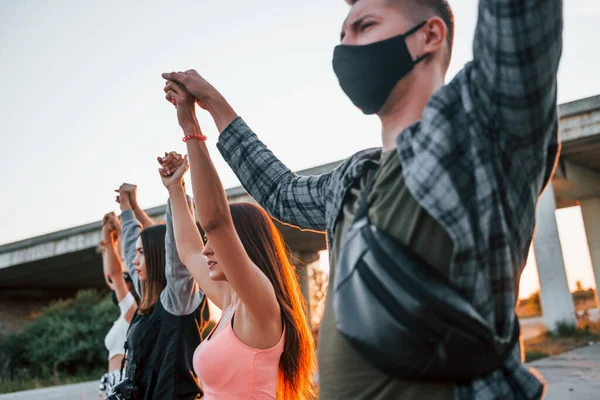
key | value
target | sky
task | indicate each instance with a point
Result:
(83, 110)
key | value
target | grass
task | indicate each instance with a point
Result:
(565, 339)
(60, 379)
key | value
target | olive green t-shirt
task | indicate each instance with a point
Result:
(343, 372)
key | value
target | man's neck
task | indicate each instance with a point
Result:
(404, 112)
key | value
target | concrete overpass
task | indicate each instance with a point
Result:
(65, 261)
(576, 182)
(68, 260)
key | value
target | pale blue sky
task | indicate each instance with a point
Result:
(82, 107)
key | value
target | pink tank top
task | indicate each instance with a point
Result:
(230, 370)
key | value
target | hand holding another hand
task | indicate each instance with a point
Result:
(172, 169)
(183, 101)
(111, 229)
(192, 82)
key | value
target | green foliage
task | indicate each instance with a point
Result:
(532, 301)
(568, 330)
(66, 339)
(583, 295)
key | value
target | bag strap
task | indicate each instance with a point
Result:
(123, 360)
(363, 206)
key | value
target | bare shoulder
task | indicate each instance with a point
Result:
(258, 334)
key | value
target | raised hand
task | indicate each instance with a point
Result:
(195, 84)
(184, 102)
(170, 162)
(129, 191)
(111, 265)
(111, 229)
(172, 169)
(205, 95)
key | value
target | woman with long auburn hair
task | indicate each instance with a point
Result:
(262, 348)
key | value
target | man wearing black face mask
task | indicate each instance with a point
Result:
(456, 180)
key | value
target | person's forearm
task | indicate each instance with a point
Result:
(107, 279)
(209, 194)
(114, 269)
(141, 216)
(131, 231)
(182, 295)
(187, 237)
(293, 199)
(125, 205)
(222, 113)
(516, 56)
(113, 265)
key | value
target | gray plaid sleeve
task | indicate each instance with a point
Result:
(293, 199)
(516, 51)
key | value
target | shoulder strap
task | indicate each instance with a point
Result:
(123, 361)
(363, 206)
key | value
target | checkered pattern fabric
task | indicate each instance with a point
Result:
(477, 162)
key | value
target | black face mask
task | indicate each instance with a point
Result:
(368, 73)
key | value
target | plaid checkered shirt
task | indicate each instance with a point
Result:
(477, 161)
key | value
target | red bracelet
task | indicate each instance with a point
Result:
(196, 136)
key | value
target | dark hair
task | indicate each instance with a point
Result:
(419, 10)
(153, 242)
(202, 233)
(265, 247)
(442, 9)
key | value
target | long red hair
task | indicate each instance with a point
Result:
(265, 247)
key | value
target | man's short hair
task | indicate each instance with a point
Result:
(420, 10)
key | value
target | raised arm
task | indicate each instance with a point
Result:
(297, 200)
(249, 283)
(130, 190)
(187, 237)
(111, 262)
(131, 231)
(516, 52)
(182, 295)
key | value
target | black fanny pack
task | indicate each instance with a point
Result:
(404, 316)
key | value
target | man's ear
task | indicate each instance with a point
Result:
(434, 34)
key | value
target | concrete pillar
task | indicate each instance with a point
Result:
(556, 299)
(301, 260)
(590, 209)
